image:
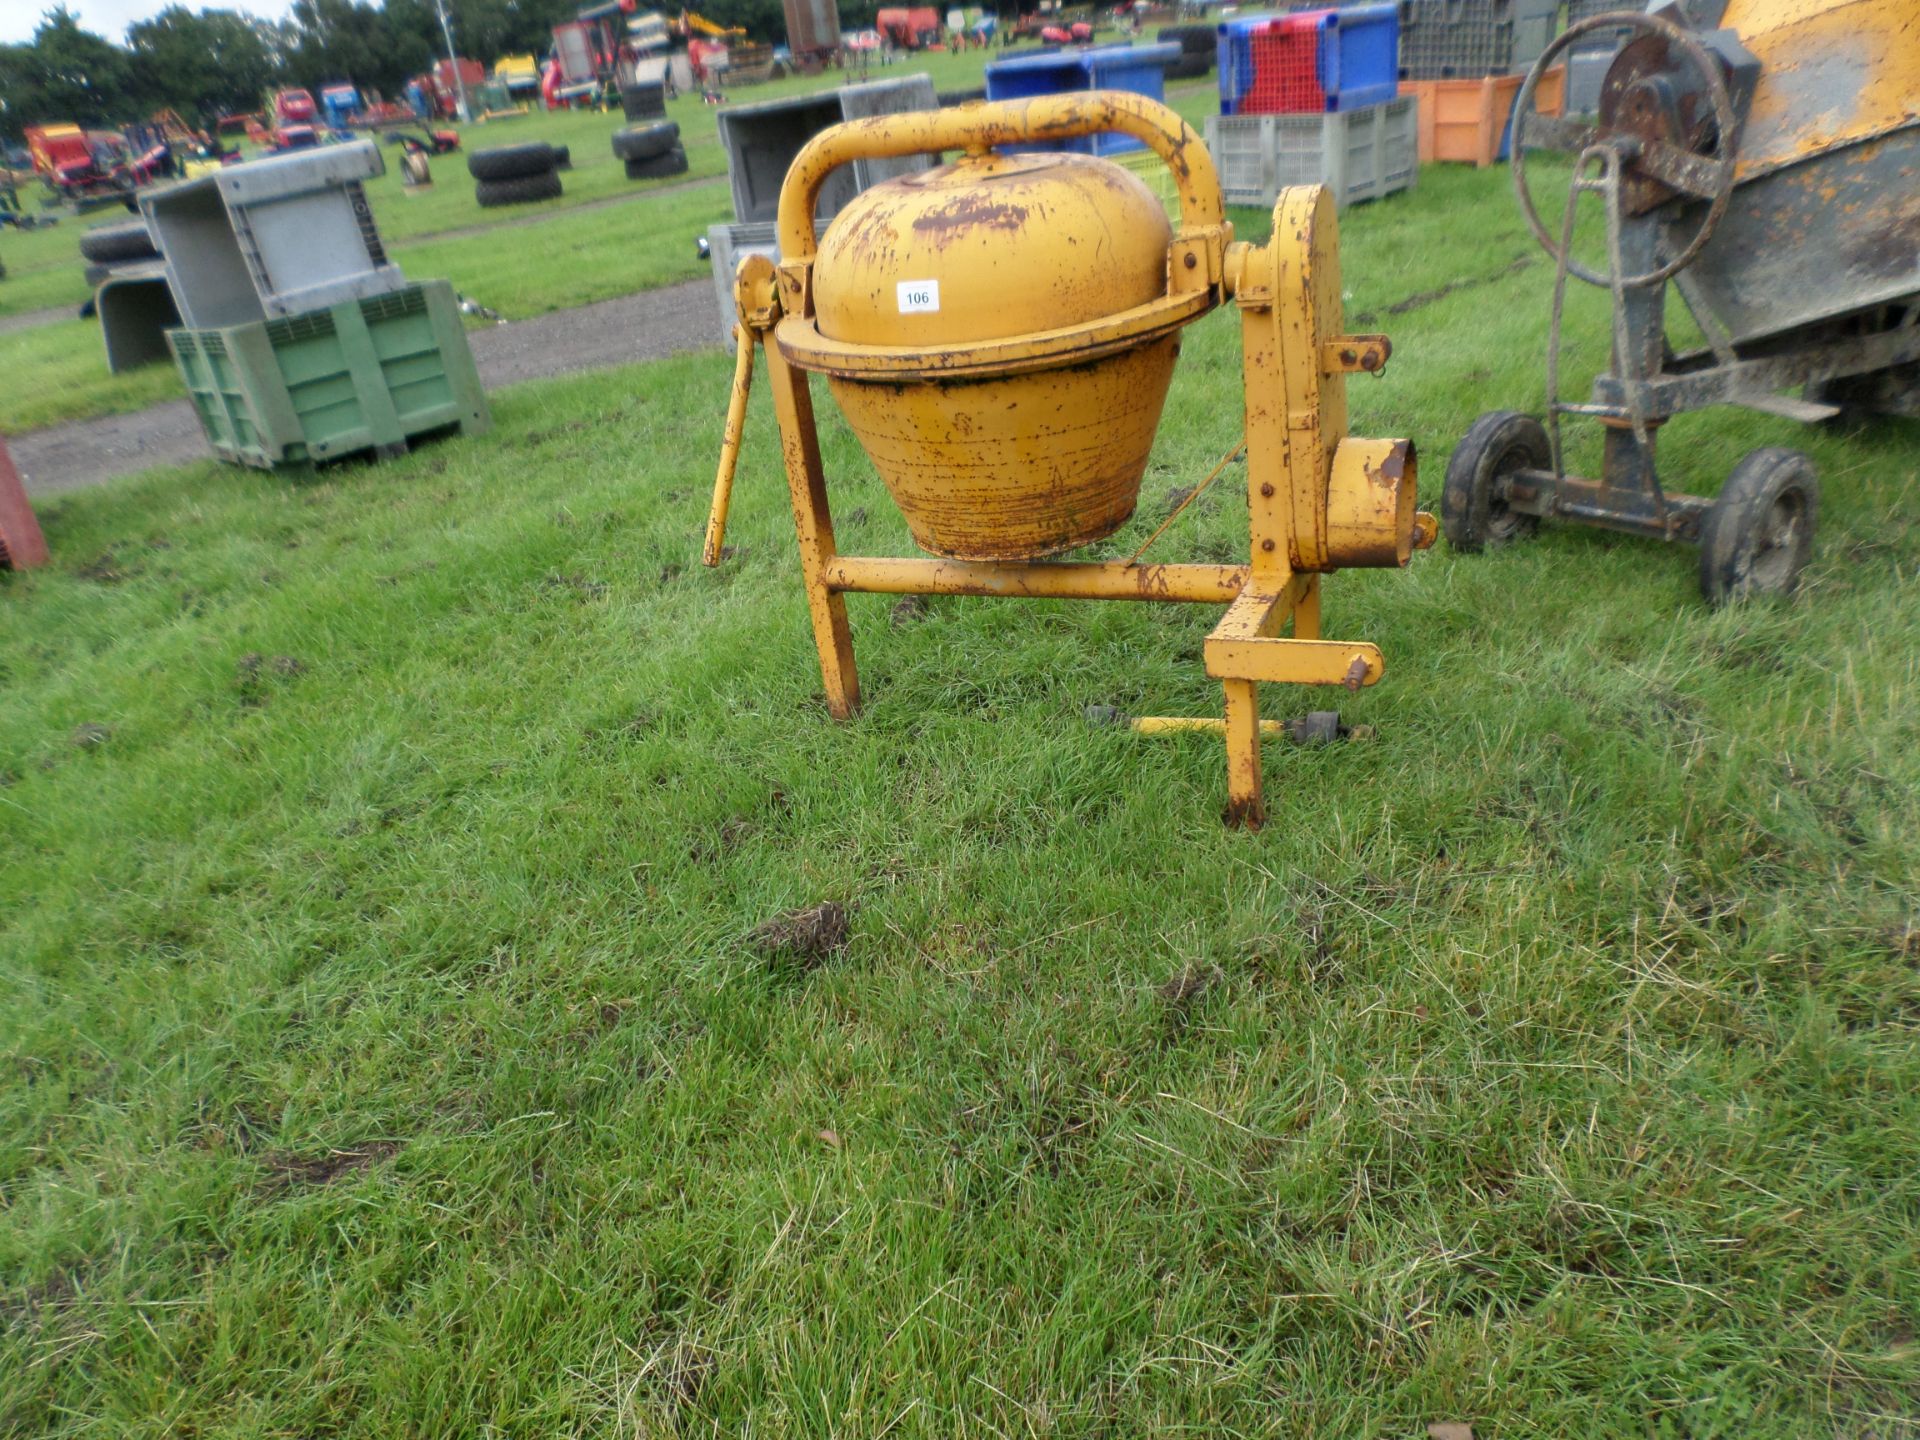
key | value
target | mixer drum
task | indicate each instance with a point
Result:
(1824, 219)
(988, 248)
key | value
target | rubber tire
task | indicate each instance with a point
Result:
(97, 272)
(511, 162)
(1473, 512)
(520, 190)
(1192, 39)
(643, 142)
(643, 102)
(127, 240)
(563, 157)
(674, 162)
(1742, 551)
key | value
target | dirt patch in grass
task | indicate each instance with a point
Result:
(1420, 299)
(287, 1172)
(805, 937)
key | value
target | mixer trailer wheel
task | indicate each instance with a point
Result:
(1758, 536)
(1699, 166)
(1473, 502)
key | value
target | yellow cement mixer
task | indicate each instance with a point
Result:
(1000, 332)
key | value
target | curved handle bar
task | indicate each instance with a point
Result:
(978, 128)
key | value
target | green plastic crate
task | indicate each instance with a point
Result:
(363, 375)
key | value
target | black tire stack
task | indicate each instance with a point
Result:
(651, 151)
(515, 174)
(1199, 48)
(111, 248)
(644, 102)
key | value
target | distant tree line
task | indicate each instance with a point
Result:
(208, 63)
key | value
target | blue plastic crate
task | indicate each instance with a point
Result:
(1136, 69)
(1355, 55)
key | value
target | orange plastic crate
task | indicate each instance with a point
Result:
(1466, 120)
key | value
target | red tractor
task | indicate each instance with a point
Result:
(294, 107)
(108, 171)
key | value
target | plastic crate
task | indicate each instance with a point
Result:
(1312, 60)
(1586, 71)
(1471, 39)
(1135, 69)
(272, 237)
(1358, 154)
(1152, 172)
(361, 375)
(1605, 41)
(762, 139)
(1471, 121)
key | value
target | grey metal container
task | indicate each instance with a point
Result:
(1359, 154)
(761, 141)
(272, 237)
(813, 26)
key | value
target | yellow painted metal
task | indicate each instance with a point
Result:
(1020, 468)
(1193, 724)
(1193, 584)
(1370, 502)
(1832, 72)
(976, 129)
(980, 268)
(730, 446)
(996, 236)
(754, 298)
(994, 389)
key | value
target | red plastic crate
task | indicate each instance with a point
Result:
(1286, 66)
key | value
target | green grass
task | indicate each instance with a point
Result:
(60, 373)
(577, 259)
(44, 268)
(388, 1051)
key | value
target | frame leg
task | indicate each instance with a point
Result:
(1306, 611)
(813, 526)
(1244, 803)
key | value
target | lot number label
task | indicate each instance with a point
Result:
(918, 297)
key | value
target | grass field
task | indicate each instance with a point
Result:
(391, 1047)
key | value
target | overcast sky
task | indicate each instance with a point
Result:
(111, 17)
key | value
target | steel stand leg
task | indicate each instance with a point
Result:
(1306, 611)
(813, 526)
(1245, 805)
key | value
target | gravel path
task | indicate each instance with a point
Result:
(28, 319)
(613, 332)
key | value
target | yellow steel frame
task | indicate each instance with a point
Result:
(1294, 361)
